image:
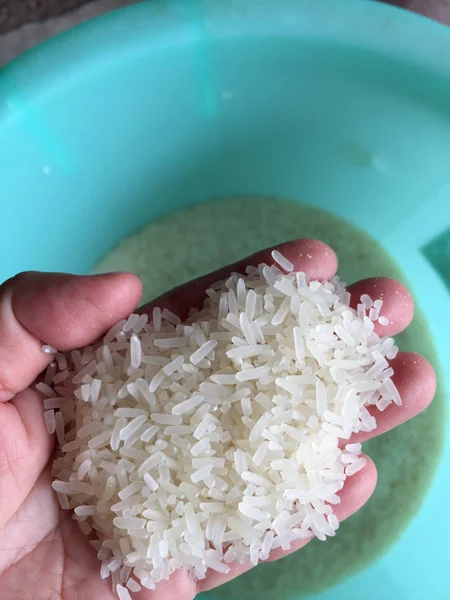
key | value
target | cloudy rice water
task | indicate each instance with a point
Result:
(195, 241)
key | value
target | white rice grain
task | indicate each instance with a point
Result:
(282, 261)
(50, 421)
(123, 593)
(193, 445)
(49, 349)
(197, 356)
(136, 352)
(156, 317)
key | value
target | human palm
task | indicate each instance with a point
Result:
(43, 554)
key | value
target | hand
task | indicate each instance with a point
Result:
(42, 552)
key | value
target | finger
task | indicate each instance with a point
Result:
(60, 310)
(63, 311)
(25, 448)
(415, 380)
(313, 257)
(398, 306)
(357, 490)
(84, 581)
(180, 586)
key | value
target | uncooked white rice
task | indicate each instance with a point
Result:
(195, 444)
(49, 349)
(50, 421)
(282, 261)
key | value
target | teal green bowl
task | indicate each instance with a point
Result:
(344, 104)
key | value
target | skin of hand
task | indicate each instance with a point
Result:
(43, 555)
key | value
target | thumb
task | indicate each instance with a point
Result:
(63, 311)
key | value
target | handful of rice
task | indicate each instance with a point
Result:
(193, 445)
